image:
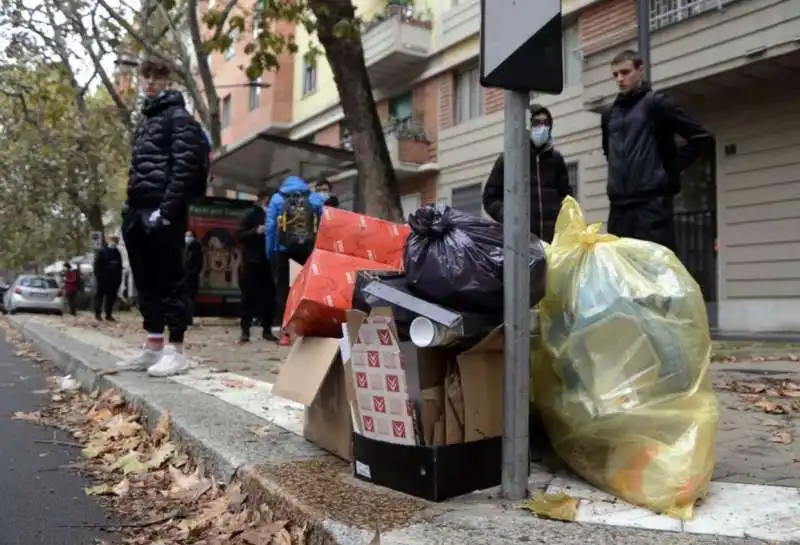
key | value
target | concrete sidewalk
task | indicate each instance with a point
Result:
(232, 421)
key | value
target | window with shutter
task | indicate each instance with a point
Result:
(468, 199)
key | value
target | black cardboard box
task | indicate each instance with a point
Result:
(431, 473)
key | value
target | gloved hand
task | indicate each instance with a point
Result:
(155, 219)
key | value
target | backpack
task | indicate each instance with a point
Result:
(297, 222)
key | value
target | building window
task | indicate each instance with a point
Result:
(255, 94)
(469, 199)
(309, 77)
(572, 174)
(468, 95)
(231, 51)
(402, 107)
(573, 68)
(226, 111)
(410, 204)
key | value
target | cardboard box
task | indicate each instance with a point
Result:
(322, 292)
(428, 421)
(356, 235)
(313, 374)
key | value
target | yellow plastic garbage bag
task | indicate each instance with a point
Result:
(621, 377)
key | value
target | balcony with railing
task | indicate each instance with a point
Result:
(397, 44)
(692, 40)
(409, 147)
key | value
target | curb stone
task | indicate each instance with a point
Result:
(219, 435)
(88, 365)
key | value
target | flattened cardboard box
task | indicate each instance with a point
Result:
(313, 374)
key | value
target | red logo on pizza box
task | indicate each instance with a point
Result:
(392, 383)
(379, 403)
(373, 358)
(369, 424)
(385, 337)
(361, 380)
(398, 429)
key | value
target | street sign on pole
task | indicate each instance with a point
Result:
(521, 52)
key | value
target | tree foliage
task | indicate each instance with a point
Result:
(63, 141)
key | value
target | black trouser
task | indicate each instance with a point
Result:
(104, 298)
(71, 303)
(281, 271)
(652, 220)
(258, 294)
(192, 283)
(156, 261)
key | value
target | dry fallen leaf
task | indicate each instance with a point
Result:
(771, 408)
(35, 416)
(122, 488)
(261, 431)
(121, 426)
(161, 455)
(781, 437)
(264, 534)
(162, 429)
(553, 506)
(237, 384)
(130, 463)
(99, 490)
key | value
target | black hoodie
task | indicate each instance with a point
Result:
(549, 185)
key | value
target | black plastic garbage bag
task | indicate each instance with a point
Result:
(456, 260)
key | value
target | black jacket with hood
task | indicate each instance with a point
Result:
(638, 132)
(549, 185)
(169, 163)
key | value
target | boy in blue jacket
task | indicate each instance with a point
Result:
(293, 215)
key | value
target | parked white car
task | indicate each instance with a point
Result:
(32, 293)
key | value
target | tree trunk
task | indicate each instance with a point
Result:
(376, 186)
(94, 216)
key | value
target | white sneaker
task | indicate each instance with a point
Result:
(141, 361)
(171, 363)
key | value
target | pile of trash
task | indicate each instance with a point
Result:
(399, 345)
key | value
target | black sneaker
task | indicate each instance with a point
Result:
(99, 318)
(110, 319)
(244, 337)
(268, 336)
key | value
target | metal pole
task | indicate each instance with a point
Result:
(643, 34)
(516, 278)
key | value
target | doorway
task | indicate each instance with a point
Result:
(696, 227)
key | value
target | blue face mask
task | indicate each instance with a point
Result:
(540, 135)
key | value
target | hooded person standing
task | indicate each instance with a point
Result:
(108, 278)
(549, 179)
(292, 218)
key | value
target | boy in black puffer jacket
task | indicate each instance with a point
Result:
(549, 178)
(169, 168)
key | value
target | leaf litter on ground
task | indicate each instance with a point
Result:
(158, 493)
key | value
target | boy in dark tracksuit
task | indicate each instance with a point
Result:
(169, 167)
(549, 179)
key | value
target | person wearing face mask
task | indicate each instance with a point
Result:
(323, 188)
(108, 278)
(193, 266)
(549, 179)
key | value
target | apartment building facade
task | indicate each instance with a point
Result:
(730, 62)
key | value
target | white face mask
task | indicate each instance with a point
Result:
(188, 240)
(540, 135)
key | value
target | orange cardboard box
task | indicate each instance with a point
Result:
(322, 292)
(362, 236)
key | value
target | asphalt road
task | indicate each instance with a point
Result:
(36, 496)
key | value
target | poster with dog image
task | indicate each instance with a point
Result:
(213, 222)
